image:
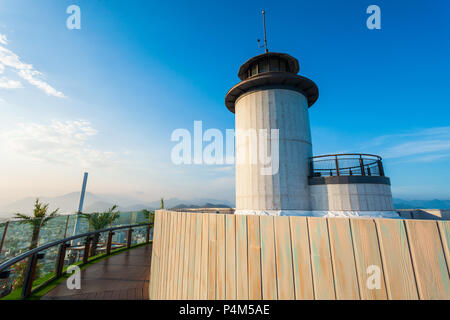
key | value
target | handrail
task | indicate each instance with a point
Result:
(34, 252)
(346, 164)
(27, 254)
(348, 154)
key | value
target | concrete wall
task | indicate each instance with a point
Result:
(287, 111)
(351, 197)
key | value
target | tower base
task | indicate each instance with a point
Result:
(324, 214)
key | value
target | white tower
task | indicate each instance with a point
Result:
(272, 96)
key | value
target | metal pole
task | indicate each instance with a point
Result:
(29, 276)
(361, 164)
(380, 168)
(265, 38)
(130, 233)
(67, 224)
(108, 245)
(80, 206)
(60, 260)
(87, 246)
(4, 236)
(337, 166)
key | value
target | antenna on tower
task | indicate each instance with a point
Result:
(265, 37)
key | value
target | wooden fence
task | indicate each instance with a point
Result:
(221, 256)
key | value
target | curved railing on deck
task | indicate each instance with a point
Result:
(64, 244)
(346, 164)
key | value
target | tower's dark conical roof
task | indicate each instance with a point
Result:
(271, 70)
(291, 63)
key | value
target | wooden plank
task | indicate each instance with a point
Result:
(156, 267)
(139, 294)
(170, 252)
(176, 263)
(396, 257)
(197, 255)
(177, 255)
(230, 254)
(430, 266)
(268, 259)
(285, 276)
(176, 250)
(167, 256)
(301, 259)
(187, 238)
(162, 284)
(131, 294)
(322, 269)
(221, 260)
(367, 256)
(444, 229)
(155, 257)
(204, 258)
(254, 258)
(344, 268)
(212, 256)
(241, 258)
(181, 253)
(161, 262)
(192, 243)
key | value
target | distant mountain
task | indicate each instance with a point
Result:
(98, 206)
(68, 203)
(206, 205)
(421, 204)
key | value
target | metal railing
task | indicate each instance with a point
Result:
(63, 245)
(346, 164)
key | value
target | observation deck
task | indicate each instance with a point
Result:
(347, 168)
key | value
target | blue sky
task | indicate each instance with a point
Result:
(106, 98)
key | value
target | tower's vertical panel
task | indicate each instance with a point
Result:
(282, 182)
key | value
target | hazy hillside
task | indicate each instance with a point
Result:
(421, 204)
(206, 205)
(68, 203)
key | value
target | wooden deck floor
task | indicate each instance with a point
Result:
(121, 277)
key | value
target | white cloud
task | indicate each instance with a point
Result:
(424, 145)
(9, 84)
(58, 142)
(30, 76)
(24, 70)
(3, 39)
